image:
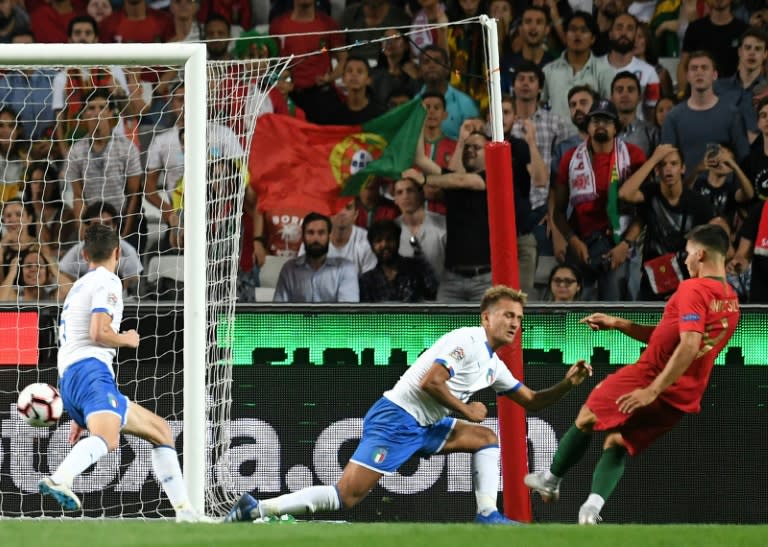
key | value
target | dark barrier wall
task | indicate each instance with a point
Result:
(305, 377)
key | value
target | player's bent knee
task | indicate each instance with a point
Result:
(613, 440)
(586, 419)
(163, 431)
(487, 436)
(349, 495)
(112, 441)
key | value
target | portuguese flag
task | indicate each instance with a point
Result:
(297, 163)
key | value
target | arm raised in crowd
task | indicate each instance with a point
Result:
(630, 190)
(448, 181)
(537, 168)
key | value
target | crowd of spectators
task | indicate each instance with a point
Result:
(616, 154)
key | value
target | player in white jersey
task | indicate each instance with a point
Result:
(412, 417)
(89, 334)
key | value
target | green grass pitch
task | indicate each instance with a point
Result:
(116, 533)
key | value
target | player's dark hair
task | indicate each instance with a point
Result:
(94, 210)
(311, 217)
(85, 18)
(100, 242)
(501, 292)
(434, 95)
(387, 230)
(625, 75)
(710, 236)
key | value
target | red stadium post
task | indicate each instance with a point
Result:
(504, 265)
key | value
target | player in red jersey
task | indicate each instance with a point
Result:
(638, 404)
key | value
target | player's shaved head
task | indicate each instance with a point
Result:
(501, 292)
(710, 236)
(100, 242)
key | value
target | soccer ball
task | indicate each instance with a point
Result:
(40, 405)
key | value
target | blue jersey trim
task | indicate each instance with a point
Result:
(490, 349)
(101, 310)
(448, 367)
(519, 384)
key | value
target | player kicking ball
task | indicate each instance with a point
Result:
(88, 336)
(412, 418)
(639, 403)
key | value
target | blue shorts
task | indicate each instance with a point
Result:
(88, 387)
(391, 436)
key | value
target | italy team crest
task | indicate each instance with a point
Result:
(379, 454)
(489, 376)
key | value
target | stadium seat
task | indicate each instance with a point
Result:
(165, 267)
(541, 277)
(265, 294)
(670, 63)
(270, 271)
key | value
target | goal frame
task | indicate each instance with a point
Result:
(193, 57)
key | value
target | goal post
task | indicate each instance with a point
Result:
(193, 58)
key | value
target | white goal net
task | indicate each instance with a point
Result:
(157, 147)
(154, 141)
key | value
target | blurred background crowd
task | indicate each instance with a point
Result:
(630, 123)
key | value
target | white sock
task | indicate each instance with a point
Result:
(596, 501)
(306, 500)
(552, 479)
(485, 475)
(85, 453)
(165, 464)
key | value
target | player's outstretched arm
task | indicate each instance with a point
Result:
(536, 400)
(101, 333)
(602, 321)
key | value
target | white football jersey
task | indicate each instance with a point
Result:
(472, 364)
(97, 291)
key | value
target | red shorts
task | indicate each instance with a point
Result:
(643, 426)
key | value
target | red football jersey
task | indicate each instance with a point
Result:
(706, 305)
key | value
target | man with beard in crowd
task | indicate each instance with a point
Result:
(587, 181)
(621, 43)
(395, 278)
(578, 65)
(314, 276)
(580, 101)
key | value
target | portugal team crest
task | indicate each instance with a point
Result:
(354, 153)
